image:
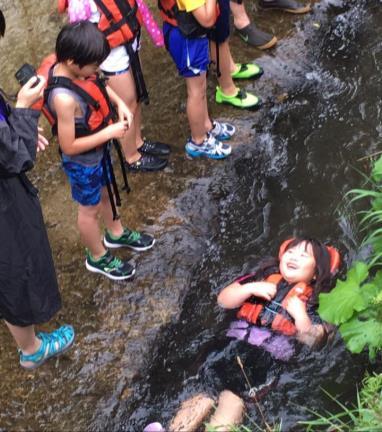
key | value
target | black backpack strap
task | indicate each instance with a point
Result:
(108, 167)
(136, 69)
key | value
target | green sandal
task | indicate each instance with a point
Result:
(247, 71)
(241, 99)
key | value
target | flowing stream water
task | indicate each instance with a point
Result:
(144, 346)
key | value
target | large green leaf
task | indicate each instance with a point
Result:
(359, 333)
(376, 172)
(373, 288)
(376, 203)
(339, 305)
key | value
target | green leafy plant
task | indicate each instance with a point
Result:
(355, 304)
(366, 416)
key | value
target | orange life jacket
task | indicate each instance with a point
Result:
(92, 90)
(120, 20)
(185, 21)
(281, 321)
(62, 5)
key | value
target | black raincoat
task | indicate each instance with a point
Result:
(28, 285)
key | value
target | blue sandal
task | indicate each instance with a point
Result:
(52, 344)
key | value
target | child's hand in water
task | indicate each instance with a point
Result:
(265, 290)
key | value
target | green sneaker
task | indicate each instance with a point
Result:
(247, 71)
(110, 266)
(241, 99)
(131, 239)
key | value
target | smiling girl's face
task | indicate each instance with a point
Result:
(297, 264)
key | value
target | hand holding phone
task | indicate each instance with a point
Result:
(31, 92)
(25, 73)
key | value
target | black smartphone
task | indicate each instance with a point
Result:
(25, 73)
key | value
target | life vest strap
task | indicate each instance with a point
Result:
(140, 85)
(59, 81)
(121, 158)
(185, 21)
(171, 13)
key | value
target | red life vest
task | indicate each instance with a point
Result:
(281, 322)
(185, 21)
(92, 90)
(120, 20)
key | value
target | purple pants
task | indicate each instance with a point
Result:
(279, 346)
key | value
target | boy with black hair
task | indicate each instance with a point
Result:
(83, 134)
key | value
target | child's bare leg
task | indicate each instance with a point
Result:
(240, 17)
(88, 225)
(138, 125)
(191, 414)
(114, 227)
(226, 66)
(197, 111)
(124, 86)
(229, 412)
(25, 338)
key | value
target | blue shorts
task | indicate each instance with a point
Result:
(86, 182)
(221, 31)
(191, 55)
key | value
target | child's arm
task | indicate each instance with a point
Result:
(297, 309)
(206, 14)
(65, 107)
(235, 294)
(123, 111)
(314, 337)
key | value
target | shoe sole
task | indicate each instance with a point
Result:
(249, 108)
(161, 167)
(108, 275)
(265, 46)
(252, 77)
(165, 155)
(223, 138)
(36, 365)
(197, 155)
(299, 11)
(134, 248)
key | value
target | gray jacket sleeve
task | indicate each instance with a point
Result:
(18, 139)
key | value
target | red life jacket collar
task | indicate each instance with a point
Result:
(92, 91)
(279, 320)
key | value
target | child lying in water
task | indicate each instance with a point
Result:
(280, 299)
